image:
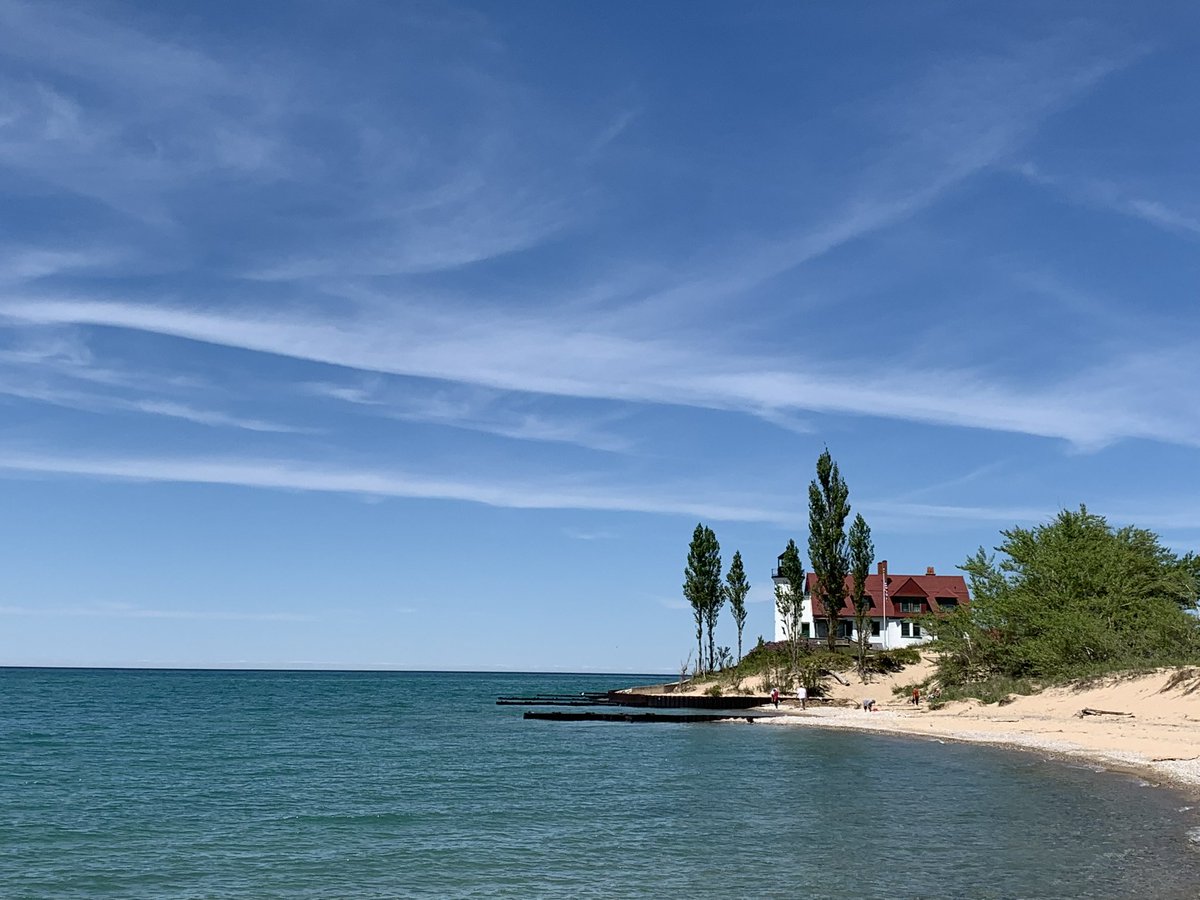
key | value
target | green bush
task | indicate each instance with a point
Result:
(892, 660)
(1068, 599)
(763, 658)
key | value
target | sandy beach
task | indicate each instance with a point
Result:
(1160, 740)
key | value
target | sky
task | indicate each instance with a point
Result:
(422, 335)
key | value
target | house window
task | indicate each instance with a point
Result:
(947, 602)
(910, 629)
(874, 628)
(804, 629)
(911, 606)
(845, 629)
(822, 630)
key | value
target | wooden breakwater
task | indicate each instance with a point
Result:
(684, 701)
(638, 718)
(583, 698)
(636, 701)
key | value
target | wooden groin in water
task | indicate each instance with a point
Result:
(638, 718)
(683, 701)
(584, 698)
(636, 701)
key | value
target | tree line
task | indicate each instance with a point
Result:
(835, 555)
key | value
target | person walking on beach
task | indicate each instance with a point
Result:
(775, 697)
(916, 697)
(869, 704)
(802, 696)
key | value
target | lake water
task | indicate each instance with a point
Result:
(368, 785)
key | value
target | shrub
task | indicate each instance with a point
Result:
(892, 660)
(1071, 598)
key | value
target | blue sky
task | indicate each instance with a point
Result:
(422, 335)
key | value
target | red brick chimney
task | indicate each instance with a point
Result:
(929, 570)
(882, 567)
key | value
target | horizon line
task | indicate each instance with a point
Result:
(315, 669)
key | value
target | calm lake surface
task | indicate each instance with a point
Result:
(369, 785)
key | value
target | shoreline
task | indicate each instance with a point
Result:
(1146, 724)
(1174, 773)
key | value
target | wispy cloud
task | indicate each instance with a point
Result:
(1158, 213)
(152, 128)
(961, 118)
(476, 409)
(175, 98)
(128, 611)
(958, 120)
(288, 475)
(1090, 409)
(1008, 515)
(973, 475)
(587, 534)
(1113, 197)
(209, 417)
(611, 132)
(691, 501)
(488, 415)
(19, 264)
(60, 369)
(365, 394)
(104, 403)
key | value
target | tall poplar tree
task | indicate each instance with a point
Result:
(714, 596)
(736, 589)
(789, 600)
(827, 512)
(862, 555)
(702, 588)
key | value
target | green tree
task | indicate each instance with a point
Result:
(789, 599)
(1070, 597)
(736, 589)
(827, 511)
(715, 598)
(702, 588)
(862, 555)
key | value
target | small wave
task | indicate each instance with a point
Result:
(1185, 809)
(1193, 836)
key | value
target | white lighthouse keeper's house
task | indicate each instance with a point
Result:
(897, 601)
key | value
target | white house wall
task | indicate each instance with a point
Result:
(890, 639)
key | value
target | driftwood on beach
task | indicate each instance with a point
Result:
(1088, 711)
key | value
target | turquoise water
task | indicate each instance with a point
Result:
(272, 784)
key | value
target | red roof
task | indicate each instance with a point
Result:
(927, 588)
